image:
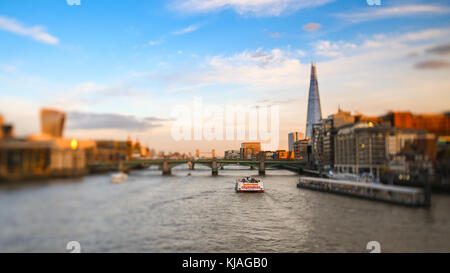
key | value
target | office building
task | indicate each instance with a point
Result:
(314, 114)
(301, 149)
(293, 137)
(250, 150)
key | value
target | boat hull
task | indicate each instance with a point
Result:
(249, 191)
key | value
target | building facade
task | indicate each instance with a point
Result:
(438, 124)
(369, 147)
(324, 133)
(6, 130)
(283, 155)
(23, 159)
(293, 137)
(52, 122)
(361, 147)
(301, 149)
(250, 150)
(232, 154)
(113, 150)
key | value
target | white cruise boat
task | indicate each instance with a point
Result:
(249, 184)
(119, 177)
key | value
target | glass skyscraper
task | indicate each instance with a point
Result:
(314, 111)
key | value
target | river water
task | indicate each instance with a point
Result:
(201, 213)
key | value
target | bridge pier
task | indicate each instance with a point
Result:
(214, 167)
(262, 167)
(165, 168)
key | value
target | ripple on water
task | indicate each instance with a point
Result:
(201, 213)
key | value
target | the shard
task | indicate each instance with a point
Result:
(314, 111)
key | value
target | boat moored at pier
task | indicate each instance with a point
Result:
(388, 193)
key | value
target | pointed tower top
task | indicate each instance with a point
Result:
(314, 114)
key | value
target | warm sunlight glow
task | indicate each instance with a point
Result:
(74, 144)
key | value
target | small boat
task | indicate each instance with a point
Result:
(249, 184)
(119, 177)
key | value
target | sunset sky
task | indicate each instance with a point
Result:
(118, 68)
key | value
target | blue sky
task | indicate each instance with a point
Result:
(139, 58)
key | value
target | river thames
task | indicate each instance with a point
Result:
(202, 213)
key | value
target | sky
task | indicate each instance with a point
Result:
(121, 68)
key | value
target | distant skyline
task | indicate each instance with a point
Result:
(117, 67)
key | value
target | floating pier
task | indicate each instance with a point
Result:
(408, 196)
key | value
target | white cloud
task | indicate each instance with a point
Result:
(300, 53)
(153, 43)
(86, 94)
(370, 73)
(275, 35)
(310, 27)
(332, 49)
(94, 121)
(13, 110)
(253, 7)
(398, 11)
(36, 32)
(186, 30)
(424, 35)
(258, 69)
(404, 41)
(8, 68)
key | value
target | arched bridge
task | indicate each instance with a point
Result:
(166, 165)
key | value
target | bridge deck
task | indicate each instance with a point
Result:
(214, 164)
